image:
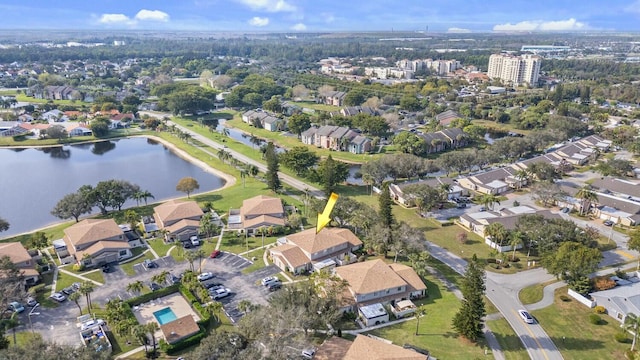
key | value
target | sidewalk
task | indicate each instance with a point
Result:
(79, 276)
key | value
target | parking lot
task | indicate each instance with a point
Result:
(227, 269)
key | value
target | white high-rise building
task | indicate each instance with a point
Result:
(515, 70)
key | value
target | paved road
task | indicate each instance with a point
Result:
(503, 290)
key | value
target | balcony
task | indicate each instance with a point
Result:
(346, 259)
(403, 308)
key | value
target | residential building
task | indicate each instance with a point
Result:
(515, 70)
(179, 329)
(445, 118)
(337, 138)
(257, 212)
(355, 110)
(179, 218)
(335, 98)
(620, 301)
(307, 250)
(397, 190)
(22, 259)
(94, 242)
(438, 141)
(375, 281)
(309, 136)
(364, 347)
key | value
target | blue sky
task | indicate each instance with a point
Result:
(324, 15)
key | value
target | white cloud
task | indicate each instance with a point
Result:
(633, 7)
(152, 15)
(269, 5)
(539, 25)
(455, 30)
(114, 19)
(299, 27)
(259, 21)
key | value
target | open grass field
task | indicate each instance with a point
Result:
(509, 342)
(568, 325)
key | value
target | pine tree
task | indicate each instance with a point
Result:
(384, 204)
(273, 181)
(468, 321)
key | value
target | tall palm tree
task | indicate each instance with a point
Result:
(207, 226)
(515, 238)
(145, 194)
(86, 288)
(523, 176)
(488, 200)
(151, 328)
(243, 176)
(223, 155)
(135, 287)
(190, 256)
(140, 332)
(632, 322)
(245, 306)
(213, 308)
(587, 197)
(75, 296)
(225, 131)
(497, 232)
(160, 278)
(199, 255)
(252, 170)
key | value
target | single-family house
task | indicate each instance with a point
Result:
(273, 123)
(307, 250)
(60, 93)
(355, 110)
(359, 145)
(12, 128)
(445, 118)
(309, 136)
(335, 98)
(364, 347)
(322, 138)
(494, 181)
(620, 301)
(397, 190)
(257, 212)
(94, 242)
(54, 116)
(78, 129)
(22, 259)
(180, 219)
(375, 281)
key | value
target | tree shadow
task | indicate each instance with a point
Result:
(212, 197)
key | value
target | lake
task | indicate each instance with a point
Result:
(32, 181)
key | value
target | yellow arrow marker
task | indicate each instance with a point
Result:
(324, 218)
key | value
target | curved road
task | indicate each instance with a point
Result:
(502, 290)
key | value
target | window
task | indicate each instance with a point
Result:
(123, 252)
(399, 289)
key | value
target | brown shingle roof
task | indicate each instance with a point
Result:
(179, 329)
(15, 251)
(262, 205)
(91, 230)
(409, 275)
(176, 227)
(175, 210)
(291, 254)
(263, 220)
(333, 348)
(103, 245)
(312, 243)
(364, 347)
(370, 276)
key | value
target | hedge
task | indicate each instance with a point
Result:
(153, 295)
(188, 294)
(171, 349)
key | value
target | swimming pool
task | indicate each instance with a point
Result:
(164, 316)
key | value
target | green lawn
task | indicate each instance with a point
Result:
(42, 296)
(65, 280)
(509, 342)
(239, 244)
(435, 332)
(160, 247)
(533, 293)
(128, 267)
(95, 276)
(258, 264)
(316, 106)
(568, 325)
(23, 338)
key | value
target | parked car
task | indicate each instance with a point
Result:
(194, 240)
(150, 264)
(215, 254)
(59, 297)
(461, 205)
(220, 293)
(274, 286)
(91, 323)
(608, 223)
(174, 279)
(107, 268)
(210, 283)
(68, 290)
(526, 317)
(205, 276)
(76, 286)
(308, 353)
(269, 280)
(565, 210)
(16, 307)
(212, 290)
(155, 286)
(187, 244)
(31, 301)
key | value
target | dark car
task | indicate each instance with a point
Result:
(107, 269)
(187, 244)
(209, 284)
(155, 286)
(68, 290)
(174, 279)
(608, 223)
(274, 286)
(150, 264)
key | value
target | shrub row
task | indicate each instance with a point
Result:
(153, 295)
(188, 294)
(171, 349)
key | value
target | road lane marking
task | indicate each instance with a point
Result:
(625, 254)
(544, 353)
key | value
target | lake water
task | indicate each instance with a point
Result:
(32, 181)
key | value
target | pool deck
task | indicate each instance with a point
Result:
(179, 306)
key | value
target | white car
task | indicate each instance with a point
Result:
(269, 280)
(205, 276)
(194, 241)
(220, 293)
(308, 353)
(91, 323)
(58, 297)
(526, 317)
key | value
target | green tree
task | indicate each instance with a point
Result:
(571, 262)
(488, 200)
(72, 205)
(298, 123)
(468, 322)
(331, 173)
(273, 180)
(56, 132)
(632, 322)
(135, 287)
(497, 232)
(86, 288)
(187, 185)
(151, 328)
(384, 208)
(299, 159)
(634, 243)
(354, 98)
(410, 103)
(587, 197)
(75, 296)
(100, 126)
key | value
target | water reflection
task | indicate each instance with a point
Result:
(103, 147)
(57, 152)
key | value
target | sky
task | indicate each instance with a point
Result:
(456, 16)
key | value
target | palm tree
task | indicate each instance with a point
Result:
(587, 196)
(245, 306)
(225, 131)
(140, 332)
(199, 254)
(137, 196)
(223, 155)
(497, 232)
(523, 177)
(243, 175)
(160, 278)
(213, 308)
(632, 322)
(207, 226)
(145, 194)
(444, 189)
(488, 200)
(151, 328)
(190, 256)
(420, 311)
(86, 288)
(515, 238)
(75, 296)
(135, 287)
(203, 294)
(254, 141)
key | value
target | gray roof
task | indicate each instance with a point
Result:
(310, 131)
(618, 186)
(326, 130)
(625, 298)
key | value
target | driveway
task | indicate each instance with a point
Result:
(54, 324)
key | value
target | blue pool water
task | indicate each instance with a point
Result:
(164, 316)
